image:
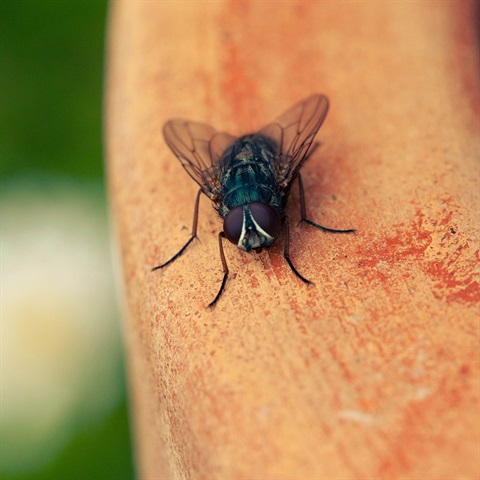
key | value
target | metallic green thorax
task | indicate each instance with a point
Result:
(247, 175)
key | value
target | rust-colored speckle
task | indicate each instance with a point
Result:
(238, 83)
(428, 244)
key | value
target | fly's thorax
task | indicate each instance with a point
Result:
(248, 175)
(252, 226)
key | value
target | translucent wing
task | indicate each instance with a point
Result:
(293, 133)
(199, 149)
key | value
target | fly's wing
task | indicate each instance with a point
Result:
(199, 149)
(293, 133)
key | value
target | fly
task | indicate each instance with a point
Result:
(248, 179)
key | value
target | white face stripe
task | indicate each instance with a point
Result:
(258, 228)
(240, 244)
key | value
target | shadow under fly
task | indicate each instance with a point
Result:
(248, 179)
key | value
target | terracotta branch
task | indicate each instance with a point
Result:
(372, 373)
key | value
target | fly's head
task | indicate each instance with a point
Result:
(252, 226)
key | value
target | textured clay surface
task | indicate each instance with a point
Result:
(373, 373)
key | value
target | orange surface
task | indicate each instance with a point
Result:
(374, 372)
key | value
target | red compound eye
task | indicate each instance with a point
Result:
(266, 218)
(233, 223)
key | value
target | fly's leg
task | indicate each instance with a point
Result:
(303, 213)
(286, 248)
(190, 240)
(221, 236)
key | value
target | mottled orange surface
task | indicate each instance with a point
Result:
(374, 372)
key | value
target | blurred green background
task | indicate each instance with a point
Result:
(64, 406)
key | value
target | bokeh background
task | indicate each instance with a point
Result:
(63, 393)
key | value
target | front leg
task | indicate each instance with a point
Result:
(221, 236)
(286, 250)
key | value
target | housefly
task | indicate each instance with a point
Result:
(248, 179)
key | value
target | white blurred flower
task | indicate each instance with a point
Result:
(60, 343)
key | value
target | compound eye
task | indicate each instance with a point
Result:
(266, 218)
(233, 223)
